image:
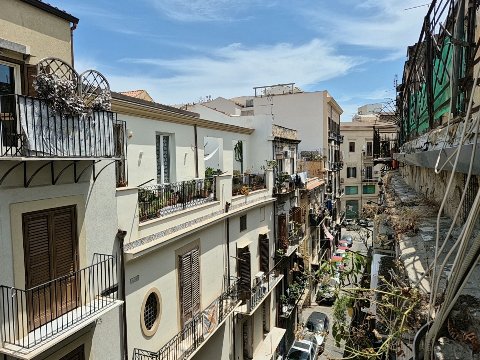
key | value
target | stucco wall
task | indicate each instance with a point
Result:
(300, 111)
(46, 34)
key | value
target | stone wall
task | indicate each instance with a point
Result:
(433, 187)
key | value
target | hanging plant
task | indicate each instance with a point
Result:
(61, 94)
(238, 150)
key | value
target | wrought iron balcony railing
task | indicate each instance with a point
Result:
(29, 128)
(159, 200)
(243, 184)
(32, 316)
(196, 332)
(264, 285)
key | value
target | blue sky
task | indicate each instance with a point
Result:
(183, 50)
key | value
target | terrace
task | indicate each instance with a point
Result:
(32, 320)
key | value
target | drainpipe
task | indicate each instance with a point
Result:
(72, 28)
(196, 149)
(121, 238)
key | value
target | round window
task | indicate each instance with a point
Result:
(151, 312)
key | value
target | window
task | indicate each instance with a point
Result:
(292, 166)
(279, 165)
(249, 103)
(351, 172)
(369, 189)
(9, 78)
(369, 148)
(163, 159)
(189, 273)
(351, 190)
(151, 312)
(351, 146)
(262, 213)
(369, 172)
(243, 222)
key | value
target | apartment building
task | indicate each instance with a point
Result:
(369, 140)
(301, 210)
(200, 276)
(59, 296)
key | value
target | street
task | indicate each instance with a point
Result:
(331, 351)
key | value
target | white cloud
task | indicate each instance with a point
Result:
(376, 24)
(207, 10)
(233, 70)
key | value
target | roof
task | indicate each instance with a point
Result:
(139, 94)
(52, 10)
(316, 316)
(122, 96)
(313, 183)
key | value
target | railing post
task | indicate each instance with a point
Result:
(184, 197)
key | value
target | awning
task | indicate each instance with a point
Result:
(342, 248)
(327, 233)
(336, 259)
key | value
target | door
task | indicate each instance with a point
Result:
(9, 85)
(50, 246)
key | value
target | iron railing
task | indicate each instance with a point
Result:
(29, 128)
(197, 331)
(243, 184)
(162, 199)
(32, 316)
(262, 288)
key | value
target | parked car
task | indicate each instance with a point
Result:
(348, 239)
(317, 326)
(306, 349)
(326, 295)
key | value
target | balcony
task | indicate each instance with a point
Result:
(37, 318)
(264, 286)
(340, 138)
(162, 199)
(186, 343)
(244, 184)
(340, 193)
(30, 129)
(286, 183)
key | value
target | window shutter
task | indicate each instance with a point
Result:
(264, 252)
(63, 225)
(189, 269)
(38, 251)
(186, 287)
(282, 232)
(244, 271)
(30, 74)
(196, 280)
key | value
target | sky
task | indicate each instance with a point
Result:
(182, 51)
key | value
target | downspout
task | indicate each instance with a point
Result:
(121, 238)
(196, 150)
(72, 29)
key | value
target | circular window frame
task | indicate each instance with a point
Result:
(154, 327)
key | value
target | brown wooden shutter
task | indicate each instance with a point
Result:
(282, 231)
(38, 250)
(30, 74)
(64, 234)
(264, 244)
(244, 272)
(50, 253)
